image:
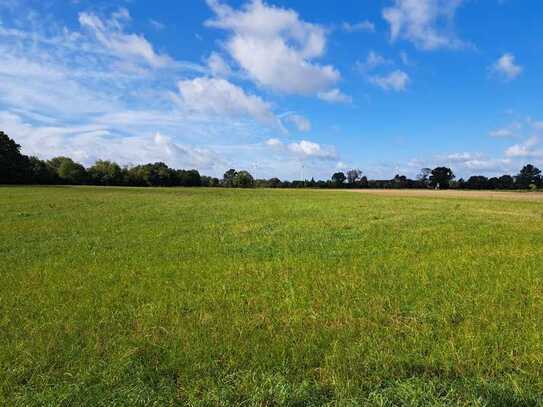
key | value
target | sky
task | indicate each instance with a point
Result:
(286, 88)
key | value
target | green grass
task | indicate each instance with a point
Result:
(114, 296)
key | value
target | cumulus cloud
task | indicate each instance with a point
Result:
(110, 33)
(334, 96)
(87, 143)
(304, 149)
(423, 22)
(82, 94)
(506, 67)
(275, 47)
(396, 81)
(470, 163)
(527, 149)
(220, 97)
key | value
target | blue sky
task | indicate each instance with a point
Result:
(280, 88)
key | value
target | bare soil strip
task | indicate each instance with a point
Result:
(497, 195)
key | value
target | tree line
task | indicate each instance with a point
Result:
(16, 168)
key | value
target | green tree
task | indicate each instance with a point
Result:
(424, 176)
(353, 176)
(228, 178)
(243, 179)
(14, 167)
(41, 173)
(506, 182)
(70, 172)
(529, 175)
(152, 175)
(190, 178)
(441, 177)
(339, 178)
(274, 183)
(105, 173)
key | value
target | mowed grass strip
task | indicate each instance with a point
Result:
(134, 296)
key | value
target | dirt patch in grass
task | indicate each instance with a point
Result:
(429, 193)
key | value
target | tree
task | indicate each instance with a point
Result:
(228, 178)
(72, 173)
(274, 183)
(105, 173)
(190, 178)
(529, 175)
(477, 182)
(41, 173)
(399, 182)
(424, 176)
(243, 179)
(506, 182)
(157, 174)
(353, 176)
(441, 177)
(14, 167)
(339, 178)
(67, 170)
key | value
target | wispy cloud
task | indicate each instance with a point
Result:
(396, 81)
(426, 23)
(366, 26)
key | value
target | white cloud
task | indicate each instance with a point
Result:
(218, 66)
(220, 97)
(111, 35)
(527, 149)
(334, 96)
(506, 67)
(301, 123)
(373, 60)
(396, 81)
(419, 21)
(463, 157)
(88, 143)
(157, 25)
(304, 149)
(365, 25)
(275, 47)
(273, 142)
(502, 133)
(473, 163)
(64, 92)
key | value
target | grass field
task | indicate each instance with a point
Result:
(113, 296)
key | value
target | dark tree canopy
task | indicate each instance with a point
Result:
(424, 176)
(353, 176)
(228, 178)
(243, 179)
(106, 173)
(529, 175)
(339, 178)
(16, 168)
(13, 165)
(441, 177)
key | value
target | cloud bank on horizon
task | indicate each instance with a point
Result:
(271, 88)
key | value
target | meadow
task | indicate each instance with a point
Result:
(134, 296)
